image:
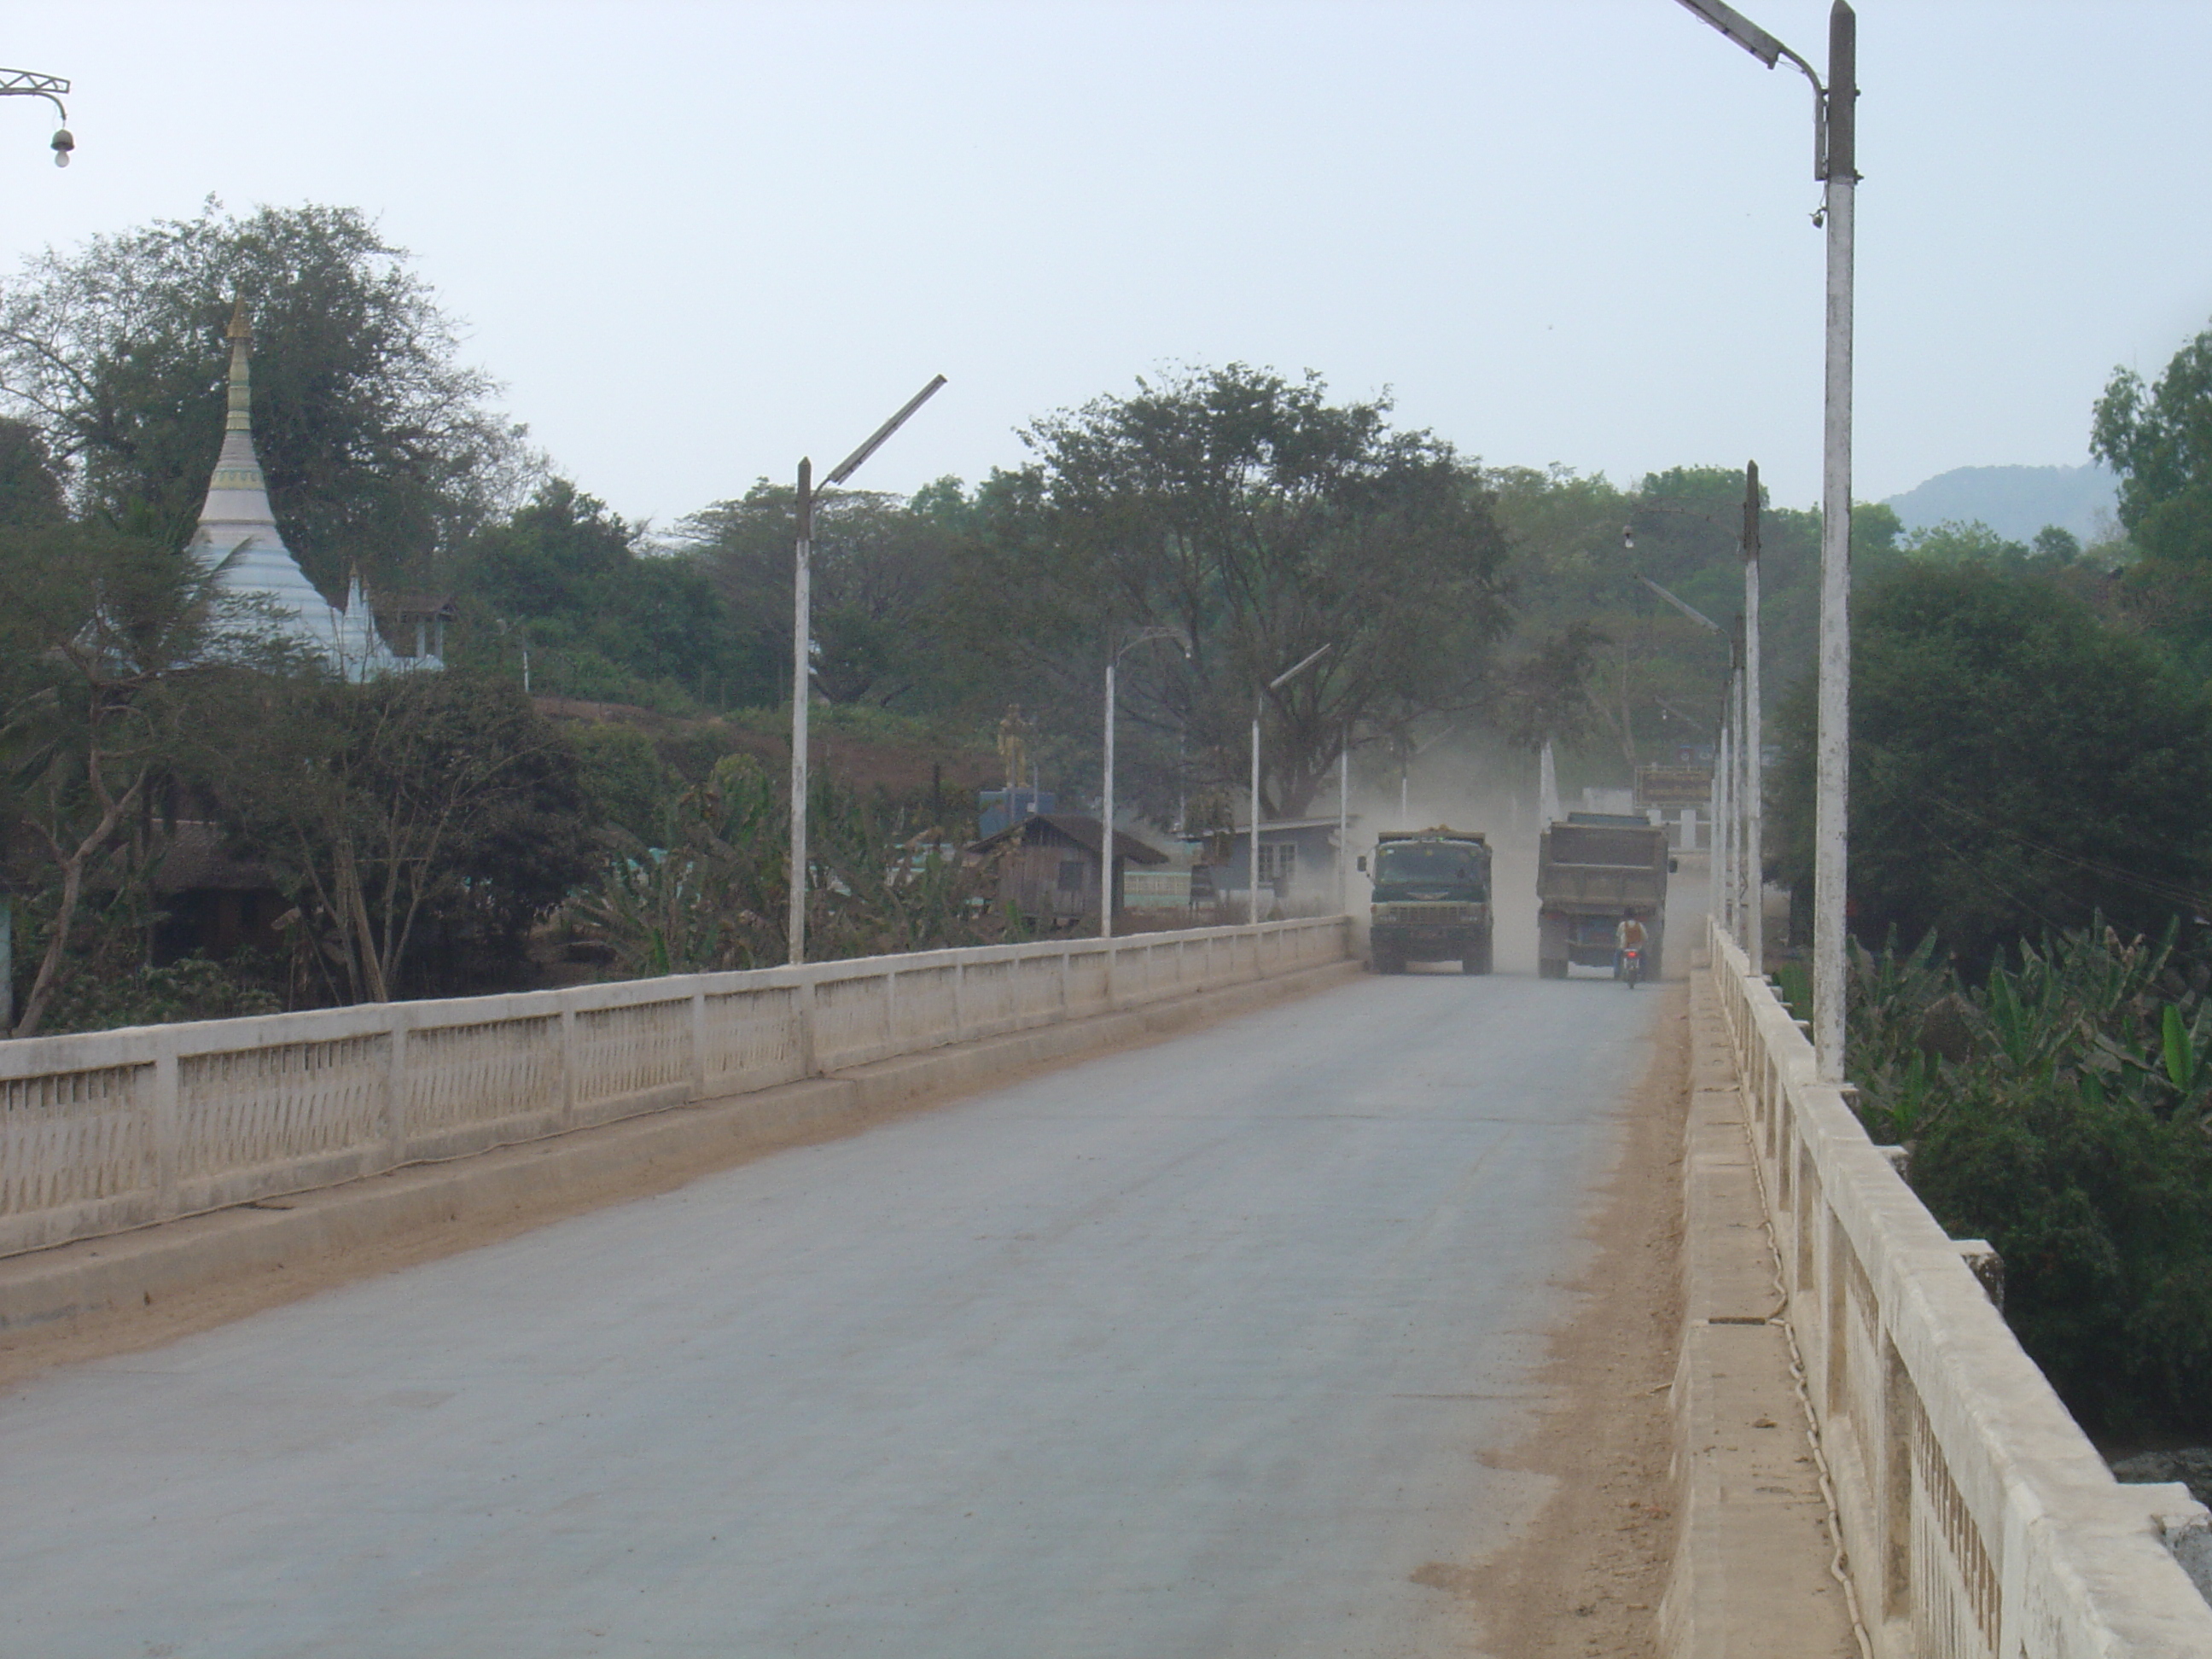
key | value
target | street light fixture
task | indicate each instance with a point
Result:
(1106, 804)
(29, 83)
(802, 652)
(1834, 164)
(1258, 703)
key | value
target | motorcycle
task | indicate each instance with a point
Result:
(1631, 965)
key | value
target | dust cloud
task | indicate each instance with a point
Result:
(1496, 795)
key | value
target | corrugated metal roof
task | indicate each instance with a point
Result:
(1086, 833)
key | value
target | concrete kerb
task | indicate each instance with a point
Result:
(1754, 1545)
(2004, 1516)
(559, 1174)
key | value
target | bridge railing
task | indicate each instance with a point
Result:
(111, 1130)
(1979, 1522)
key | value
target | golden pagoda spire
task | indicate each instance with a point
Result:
(240, 335)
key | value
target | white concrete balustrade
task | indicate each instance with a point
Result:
(111, 1130)
(1979, 1522)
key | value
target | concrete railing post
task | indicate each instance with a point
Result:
(802, 997)
(164, 1132)
(569, 1066)
(698, 1039)
(395, 1089)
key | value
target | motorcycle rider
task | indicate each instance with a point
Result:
(1628, 936)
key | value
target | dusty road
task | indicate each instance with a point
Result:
(1196, 1350)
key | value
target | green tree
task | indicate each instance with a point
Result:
(2016, 766)
(419, 809)
(2159, 440)
(1969, 542)
(602, 610)
(1265, 522)
(2056, 543)
(101, 684)
(379, 447)
(30, 490)
(877, 580)
(629, 786)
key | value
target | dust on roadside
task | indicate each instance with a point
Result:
(1586, 1574)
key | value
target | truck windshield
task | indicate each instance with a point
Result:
(1433, 862)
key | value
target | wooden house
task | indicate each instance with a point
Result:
(1049, 866)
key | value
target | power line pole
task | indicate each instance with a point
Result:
(1754, 777)
(1835, 158)
(1831, 818)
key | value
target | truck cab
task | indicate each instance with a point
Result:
(1432, 900)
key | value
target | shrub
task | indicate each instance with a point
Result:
(2063, 1111)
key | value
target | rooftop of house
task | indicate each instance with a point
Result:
(1085, 832)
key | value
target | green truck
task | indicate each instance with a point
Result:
(1592, 870)
(1432, 900)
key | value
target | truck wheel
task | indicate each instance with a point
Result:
(1477, 960)
(1553, 969)
(1387, 961)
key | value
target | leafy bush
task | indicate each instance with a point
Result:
(191, 988)
(715, 894)
(2063, 1111)
(2017, 766)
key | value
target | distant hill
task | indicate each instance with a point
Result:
(2015, 501)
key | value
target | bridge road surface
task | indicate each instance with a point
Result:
(1191, 1351)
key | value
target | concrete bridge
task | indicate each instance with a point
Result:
(1195, 1295)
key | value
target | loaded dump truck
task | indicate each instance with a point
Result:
(1432, 900)
(1591, 871)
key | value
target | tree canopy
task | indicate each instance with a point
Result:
(1264, 522)
(2017, 766)
(2159, 439)
(878, 577)
(602, 608)
(380, 448)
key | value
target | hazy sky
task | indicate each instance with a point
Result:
(698, 241)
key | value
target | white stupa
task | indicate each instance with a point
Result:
(236, 525)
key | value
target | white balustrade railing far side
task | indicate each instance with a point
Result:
(1979, 1522)
(111, 1130)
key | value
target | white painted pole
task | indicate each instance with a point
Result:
(1251, 841)
(1724, 827)
(1344, 825)
(1713, 839)
(1755, 762)
(1744, 884)
(1830, 817)
(802, 638)
(1106, 815)
(802, 653)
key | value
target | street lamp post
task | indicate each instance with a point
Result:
(1343, 820)
(1259, 702)
(1106, 795)
(29, 83)
(26, 83)
(1723, 861)
(802, 652)
(1754, 776)
(1748, 783)
(1834, 164)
